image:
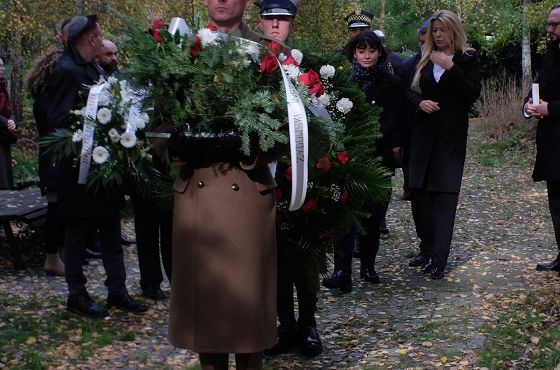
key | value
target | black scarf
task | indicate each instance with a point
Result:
(366, 76)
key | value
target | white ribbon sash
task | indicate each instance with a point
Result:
(88, 130)
(299, 143)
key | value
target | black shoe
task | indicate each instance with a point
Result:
(82, 304)
(370, 276)
(419, 260)
(287, 340)
(94, 251)
(383, 226)
(310, 344)
(125, 241)
(549, 266)
(155, 294)
(427, 266)
(339, 280)
(127, 303)
(437, 273)
(356, 252)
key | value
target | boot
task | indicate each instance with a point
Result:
(339, 280)
(287, 340)
(53, 265)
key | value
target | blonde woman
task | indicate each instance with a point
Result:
(446, 83)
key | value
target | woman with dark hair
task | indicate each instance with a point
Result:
(372, 72)
(445, 84)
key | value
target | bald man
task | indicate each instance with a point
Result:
(108, 59)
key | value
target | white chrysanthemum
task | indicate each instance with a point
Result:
(282, 57)
(251, 50)
(77, 136)
(208, 37)
(104, 98)
(100, 154)
(292, 71)
(104, 116)
(128, 140)
(114, 135)
(344, 105)
(325, 100)
(298, 55)
(327, 71)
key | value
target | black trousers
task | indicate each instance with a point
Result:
(307, 285)
(153, 237)
(54, 229)
(553, 189)
(79, 233)
(369, 243)
(434, 216)
(343, 254)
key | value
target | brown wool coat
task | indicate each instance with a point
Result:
(223, 292)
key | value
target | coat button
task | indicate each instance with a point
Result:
(200, 184)
(235, 187)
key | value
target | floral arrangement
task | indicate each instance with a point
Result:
(344, 180)
(118, 148)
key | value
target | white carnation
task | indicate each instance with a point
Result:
(327, 71)
(208, 37)
(77, 136)
(282, 57)
(128, 140)
(104, 98)
(298, 55)
(114, 135)
(325, 100)
(104, 116)
(344, 105)
(292, 71)
(251, 50)
(100, 154)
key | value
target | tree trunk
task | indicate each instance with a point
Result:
(382, 15)
(79, 7)
(16, 77)
(526, 48)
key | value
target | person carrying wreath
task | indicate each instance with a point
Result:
(445, 85)
(223, 286)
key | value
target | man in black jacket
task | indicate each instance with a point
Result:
(547, 111)
(85, 210)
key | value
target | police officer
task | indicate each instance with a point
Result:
(277, 21)
(358, 21)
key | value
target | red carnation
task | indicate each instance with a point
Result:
(275, 47)
(310, 205)
(289, 173)
(343, 157)
(212, 27)
(324, 164)
(311, 79)
(344, 198)
(317, 89)
(269, 64)
(278, 194)
(196, 48)
(158, 25)
(290, 60)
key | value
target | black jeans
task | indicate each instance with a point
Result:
(553, 189)
(79, 232)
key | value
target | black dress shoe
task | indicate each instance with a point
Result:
(339, 280)
(127, 303)
(419, 260)
(155, 294)
(82, 304)
(310, 344)
(125, 241)
(287, 340)
(549, 266)
(427, 266)
(370, 276)
(437, 273)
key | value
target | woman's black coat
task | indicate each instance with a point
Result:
(438, 141)
(387, 91)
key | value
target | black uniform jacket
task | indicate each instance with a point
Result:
(438, 141)
(388, 92)
(547, 164)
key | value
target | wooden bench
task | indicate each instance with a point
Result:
(26, 206)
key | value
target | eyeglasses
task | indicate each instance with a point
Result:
(552, 25)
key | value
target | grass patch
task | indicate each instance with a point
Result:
(31, 337)
(492, 154)
(528, 334)
(24, 165)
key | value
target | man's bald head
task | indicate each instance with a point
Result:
(109, 57)
(553, 23)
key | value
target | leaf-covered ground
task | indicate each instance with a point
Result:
(492, 309)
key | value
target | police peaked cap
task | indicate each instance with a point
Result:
(284, 8)
(359, 18)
